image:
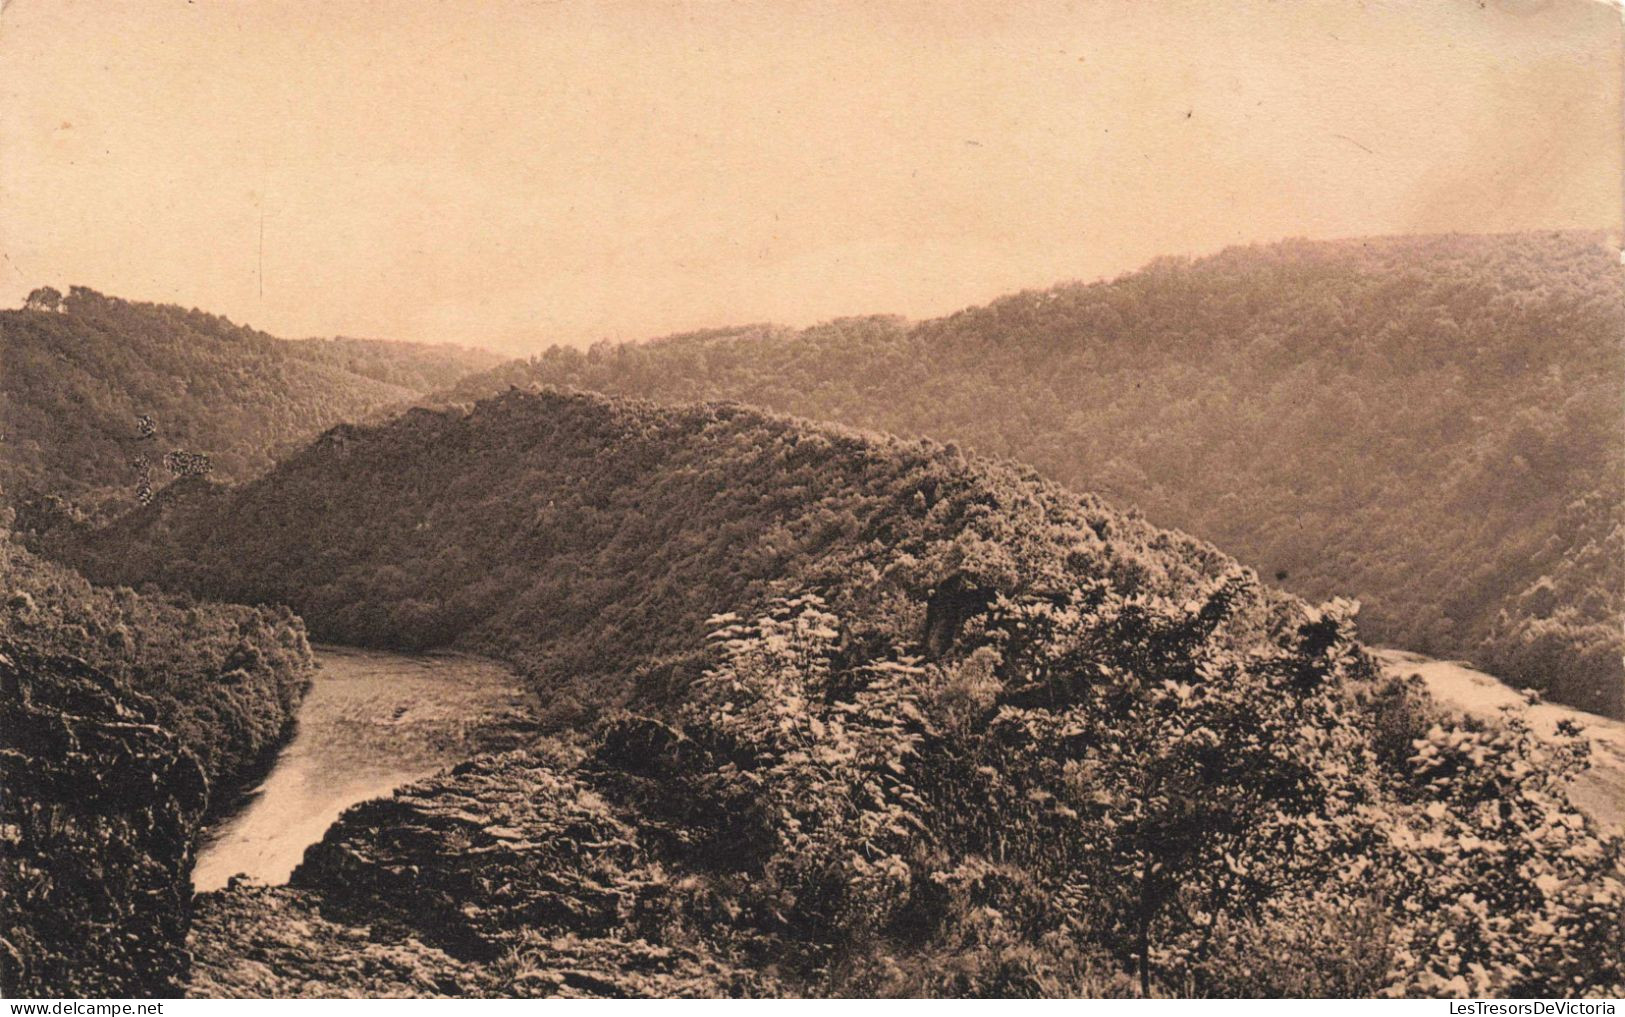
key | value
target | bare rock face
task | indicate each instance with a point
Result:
(495, 845)
(272, 942)
(279, 942)
(506, 876)
(951, 604)
(96, 826)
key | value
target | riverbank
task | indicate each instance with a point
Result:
(1600, 790)
(371, 722)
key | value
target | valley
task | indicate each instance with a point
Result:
(1430, 424)
(320, 938)
(686, 697)
(671, 499)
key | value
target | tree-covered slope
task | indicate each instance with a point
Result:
(124, 719)
(1430, 424)
(897, 720)
(418, 367)
(588, 540)
(77, 376)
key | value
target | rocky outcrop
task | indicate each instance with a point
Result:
(497, 844)
(282, 943)
(951, 604)
(97, 819)
(272, 942)
(506, 876)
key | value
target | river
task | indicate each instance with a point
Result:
(374, 721)
(371, 722)
(1598, 790)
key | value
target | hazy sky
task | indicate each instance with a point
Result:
(514, 174)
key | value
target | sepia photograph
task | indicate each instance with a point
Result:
(812, 499)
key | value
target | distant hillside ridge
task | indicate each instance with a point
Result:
(79, 373)
(1431, 424)
(418, 367)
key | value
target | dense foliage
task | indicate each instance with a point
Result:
(1094, 784)
(78, 377)
(99, 808)
(588, 540)
(226, 678)
(127, 717)
(1430, 424)
(901, 721)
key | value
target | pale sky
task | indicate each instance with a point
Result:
(515, 174)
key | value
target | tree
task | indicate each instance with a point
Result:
(188, 464)
(46, 298)
(1184, 762)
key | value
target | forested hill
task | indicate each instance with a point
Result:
(586, 539)
(77, 373)
(907, 723)
(1431, 424)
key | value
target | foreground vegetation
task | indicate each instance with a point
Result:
(868, 716)
(124, 718)
(1430, 424)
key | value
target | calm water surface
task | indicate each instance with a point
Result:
(372, 722)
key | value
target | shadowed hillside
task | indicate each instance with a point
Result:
(1430, 424)
(896, 721)
(78, 373)
(124, 719)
